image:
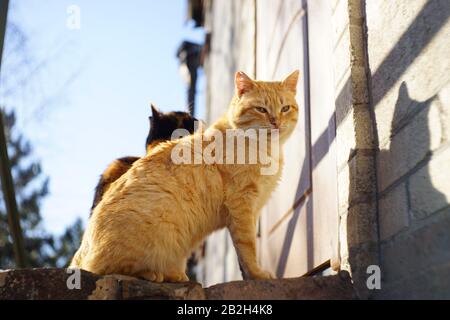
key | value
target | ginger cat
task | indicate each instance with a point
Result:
(156, 213)
(162, 125)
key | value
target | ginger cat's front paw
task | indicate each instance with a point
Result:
(176, 277)
(261, 274)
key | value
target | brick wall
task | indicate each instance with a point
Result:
(409, 59)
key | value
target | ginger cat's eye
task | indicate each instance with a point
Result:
(285, 108)
(261, 109)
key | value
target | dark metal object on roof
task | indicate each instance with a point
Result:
(195, 12)
(189, 54)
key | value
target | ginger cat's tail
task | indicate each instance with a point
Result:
(76, 260)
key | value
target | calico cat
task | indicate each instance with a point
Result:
(161, 127)
(159, 210)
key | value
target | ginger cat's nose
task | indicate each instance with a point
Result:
(274, 123)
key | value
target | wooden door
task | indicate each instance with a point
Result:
(299, 225)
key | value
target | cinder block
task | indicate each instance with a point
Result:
(430, 186)
(359, 83)
(444, 97)
(356, 180)
(409, 146)
(341, 59)
(343, 243)
(340, 20)
(360, 258)
(357, 44)
(346, 139)
(444, 106)
(353, 119)
(387, 21)
(425, 245)
(393, 212)
(384, 116)
(354, 9)
(343, 98)
(343, 190)
(362, 177)
(363, 127)
(361, 224)
(430, 284)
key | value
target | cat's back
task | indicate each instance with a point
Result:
(194, 181)
(156, 181)
(156, 198)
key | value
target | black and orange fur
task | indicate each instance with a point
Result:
(162, 124)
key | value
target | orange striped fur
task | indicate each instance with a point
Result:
(155, 214)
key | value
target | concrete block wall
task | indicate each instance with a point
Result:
(392, 113)
(355, 144)
(391, 71)
(409, 60)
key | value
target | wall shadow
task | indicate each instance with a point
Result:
(405, 252)
(422, 244)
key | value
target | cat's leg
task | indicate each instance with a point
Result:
(177, 271)
(176, 276)
(245, 245)
(170, 274)
(242, 227)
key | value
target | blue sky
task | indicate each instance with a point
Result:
(123, 57)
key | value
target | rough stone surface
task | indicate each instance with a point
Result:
(355, 147)
(361, 224)
(356, 180)
(309, 288)
(51, 284)
(43, 284)
(393, 212)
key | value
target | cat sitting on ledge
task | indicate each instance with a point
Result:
(155, 214)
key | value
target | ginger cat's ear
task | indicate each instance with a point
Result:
(243, 83)
(291, 81)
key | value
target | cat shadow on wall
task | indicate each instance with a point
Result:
(399, 171)
(414, 116)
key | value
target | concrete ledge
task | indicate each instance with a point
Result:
(52, 284)
(337, 287)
